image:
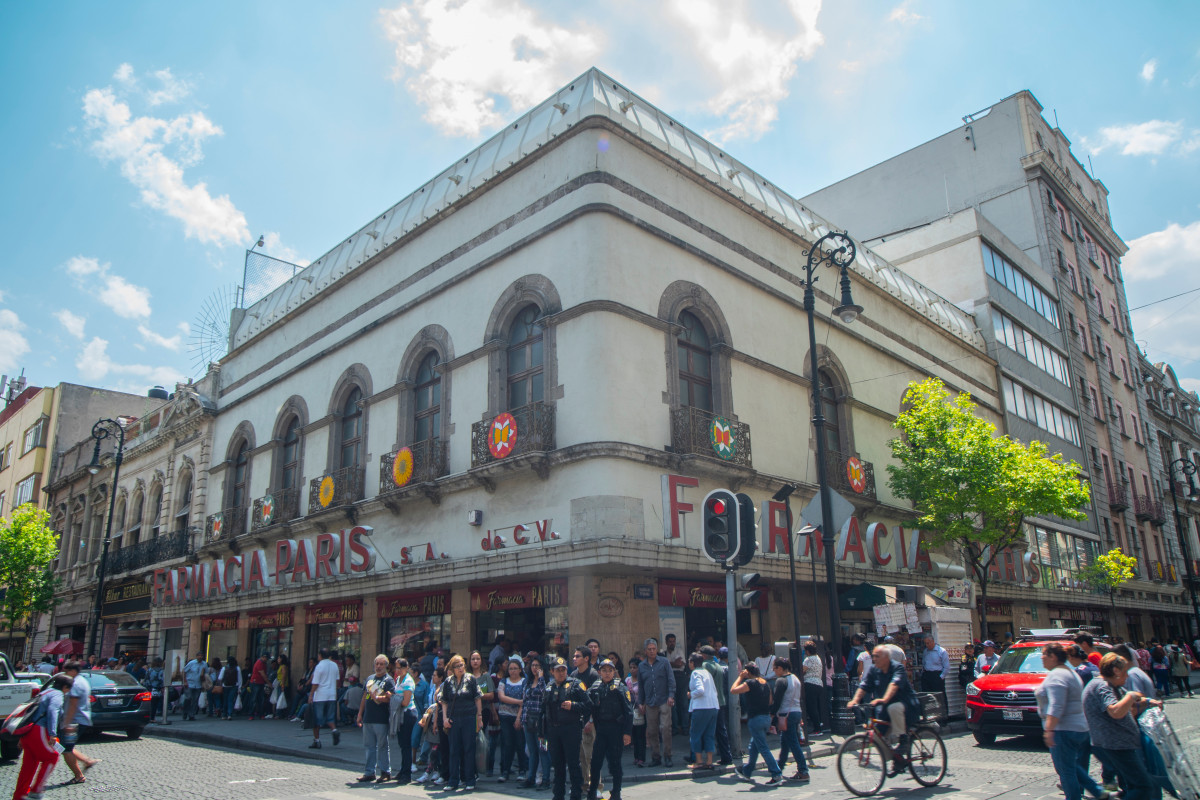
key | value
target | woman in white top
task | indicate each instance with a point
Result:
(814, 687)
(789, 715)
(704, 706)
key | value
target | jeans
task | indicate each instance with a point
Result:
(723, 750)
(512, 744)
(462, 752)
(1162, 682)
(704, 731)
(537, 757)
(758, 746)
(1071, 755)
(639, 742)
(404, 740)
(1131, 767)
(191, 702)
(257, 701)
(375, 741)
(229, 694)
(790, 740)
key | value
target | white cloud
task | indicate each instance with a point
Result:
(170, 342)
(79, 266)
(140, 144)
(1158, 265)
(124, 73)
(13, 346)
(462, 59)
(273, 246)
(126, 300)
(1148, 70)
(1173, 251)
(904, 15)
(1138, 138)
(73, 323)
(172, 89)
(749, 60)
(94, 364)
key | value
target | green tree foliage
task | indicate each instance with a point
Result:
(27, 549)
(1108, 572)
(972, 488)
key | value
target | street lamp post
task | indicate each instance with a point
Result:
(838, 251)
(101, 431)
(784, 495)
(1188, 468)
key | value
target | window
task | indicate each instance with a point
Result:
(1031, 348)
(24, 492)
(1125, 370)
(1019, 284)
(695, 363)
(289, 473)
(1116, 320)
(155, 511)
(526, 359)
(351, 429)
(1034, 408)
(1121, 418)
(1074, 278)
(1112, 367)
(1083, 338)
(35, 436)
(1137, 433)
(1062, 217)
(135, 520)
(830, 410)
(184, 507)
(1, 504)
(427, 400)
(241, 469)
(1095, 402)
(5, 456)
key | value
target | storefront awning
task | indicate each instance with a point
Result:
(863, 597)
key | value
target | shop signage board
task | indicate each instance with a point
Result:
(543, 594)
(224, 622)
(126, 598)
(414, 605)
(350, 611)
(691, 594)
(275, 618)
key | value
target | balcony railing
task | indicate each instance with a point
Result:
(702, 433)
(1156, 571)
(338, 488)
(850, 475)
(528, 429)
(422, 462)
(274, 508)
(1148, 509)
(1118, 497)
(225, 525)
(151, 551)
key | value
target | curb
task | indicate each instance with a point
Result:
(242, 745)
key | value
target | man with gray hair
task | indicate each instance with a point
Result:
(656, 697)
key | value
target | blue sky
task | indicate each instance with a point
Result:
(149, 144)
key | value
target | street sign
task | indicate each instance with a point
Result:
(840, 507)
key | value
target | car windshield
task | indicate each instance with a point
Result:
(1019, 659)
(109, 680)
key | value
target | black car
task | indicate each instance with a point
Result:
(119, 702)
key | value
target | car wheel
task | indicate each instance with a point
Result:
(9, 749)
(985, 739)
(134, 733)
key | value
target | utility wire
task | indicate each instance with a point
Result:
(1165, 299)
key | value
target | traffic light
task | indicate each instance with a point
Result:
(747, 530)
(750, 590)
(722, 521)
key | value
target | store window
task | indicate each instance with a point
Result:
(336, 627)
(410, 623)
(271, 633)
(220, 636)
(694, 610)
(533, 616)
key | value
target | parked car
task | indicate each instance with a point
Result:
(119, 702)
(1002, 703)
(15, 689)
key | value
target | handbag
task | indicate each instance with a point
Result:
(218, 689)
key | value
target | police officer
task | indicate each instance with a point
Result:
(612, 713)
(565, 709)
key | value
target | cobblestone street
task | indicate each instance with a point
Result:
(155, 767)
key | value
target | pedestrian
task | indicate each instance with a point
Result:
(258, 687)
(862, 662)
(639, 719)
(757, 703)
(510, 695)
(620, 665)
(462, 710)
(322, 696)
(935, 668)
(566, 707)
(720, 676)
(156, 682)
(892, 699)
(677, 659)
(612, 715)
(1085, 641)
(987, 658)
(193, 674)
(1143, 658)
(374, 711)
(587, 674)
(766, 662)
(498, 654)
(1181, 670)
(1078, 661)
(704, 707)
(814, 687)
(428, 661)
(283, 680)
(1135, 677)
(788, 711)
(209, 683)
(434, 733)
(1162, 670)
(39, 754)
(529, 723)
(487, 692)
(1111, 714)
(78, 711)
(966, 666)
(402, 718)
(1064, 726)
(229, 680)
(656, 698)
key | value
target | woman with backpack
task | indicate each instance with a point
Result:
(1181, 670)
(1162, 670)
(230, 678)
(38, 740)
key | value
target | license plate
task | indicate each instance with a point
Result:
(120, 701)
(1013, 714)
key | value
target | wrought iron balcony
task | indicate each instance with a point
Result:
(341, 487)
(1118, 497)
(849, 475)
(702, 433)
(422, 462)
(528, 429)
(1148, 509)
(274, 508)
(1156, 571)
(151, 551)
(225, 525)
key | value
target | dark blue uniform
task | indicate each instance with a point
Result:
(612, 713)
(563, 730)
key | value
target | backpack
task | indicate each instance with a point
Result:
(24, 718)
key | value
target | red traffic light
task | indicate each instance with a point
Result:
(717, 506)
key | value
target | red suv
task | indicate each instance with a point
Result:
(1001, 703)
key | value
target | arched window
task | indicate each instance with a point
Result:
(183, 508)
(135, 520)
(351, 429)
(526, 380)
(289, 471)
(118, 525)
(241, 471)
(695, 363)
(155, 511)
(427, 401)
(830, 409)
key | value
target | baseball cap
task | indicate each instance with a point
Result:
(608, 662)
(989, 643)
(724, 651)
(556, 662)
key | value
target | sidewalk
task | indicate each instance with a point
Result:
(288, 739)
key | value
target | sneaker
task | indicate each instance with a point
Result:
(470, 787)
(438, 780)
(337, 737)
(424, 777)
(800, 777)
(502, 778)
(776, 780)
(316, 745)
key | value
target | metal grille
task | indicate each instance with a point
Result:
(692, 433)
(1002, 698)
(261, 276)
(535, 433)
(284, 507)
(429, 464)
(151, 551)
(228, 524)
(1118, 498)
(347, 488)
(839, 480)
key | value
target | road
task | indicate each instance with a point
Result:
(1013, 769)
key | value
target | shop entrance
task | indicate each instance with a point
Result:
(532, 616)
(703, 606)
(271, 633)
(336, 627)
(410, 624)
(220, 637)
(702, 623)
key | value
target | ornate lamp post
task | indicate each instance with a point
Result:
(101, 431)
(1188, 468)
(838, 251)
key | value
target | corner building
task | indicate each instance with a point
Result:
(496, 408)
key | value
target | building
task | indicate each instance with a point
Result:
(1000, 217)
(495, 409)
(157, 517)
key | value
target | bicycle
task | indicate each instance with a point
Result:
(862, 760)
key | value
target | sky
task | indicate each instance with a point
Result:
(150, 144)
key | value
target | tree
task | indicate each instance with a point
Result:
(973, 489)
(27, 549)
(1108, 572)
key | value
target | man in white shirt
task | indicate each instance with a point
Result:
(863, 662)
(322, 697)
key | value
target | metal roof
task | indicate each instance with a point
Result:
(592, 94)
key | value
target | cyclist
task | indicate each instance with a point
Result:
(894, 702)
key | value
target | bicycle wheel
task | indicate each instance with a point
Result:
(927, 757)
(861, 765)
